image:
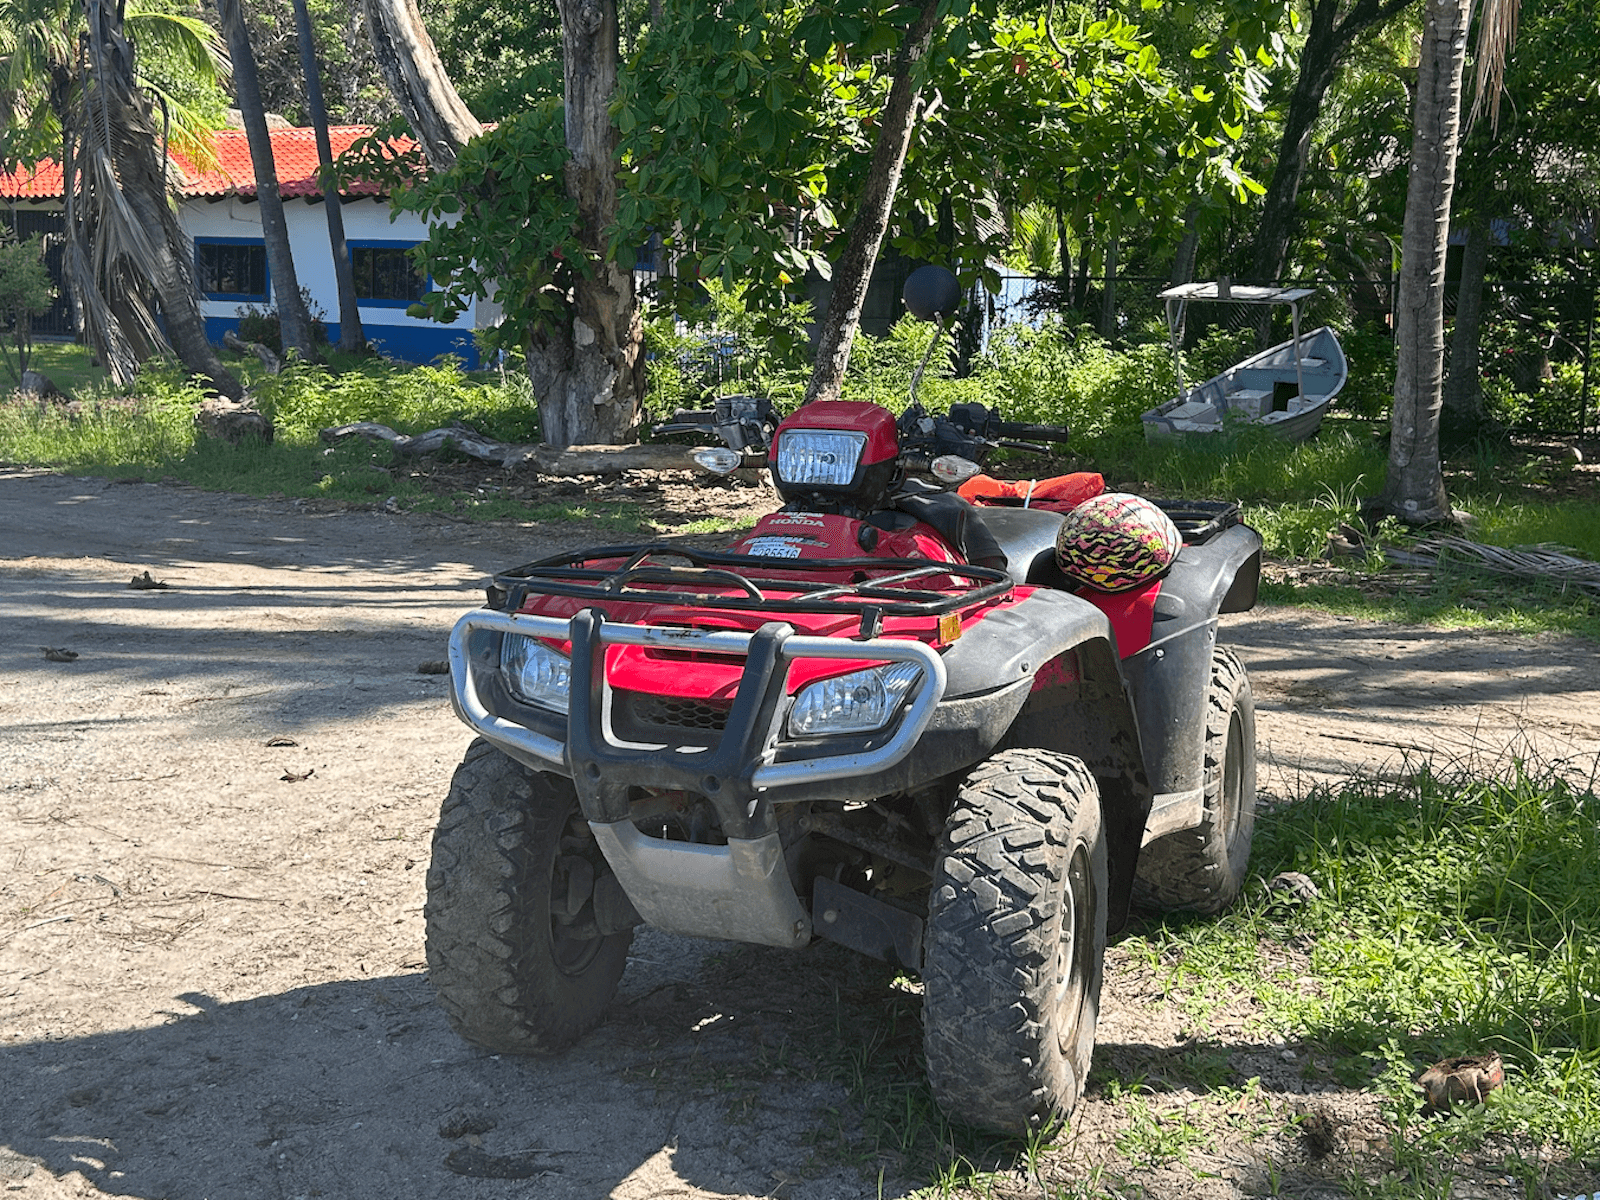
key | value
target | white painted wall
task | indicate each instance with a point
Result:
(365, 219)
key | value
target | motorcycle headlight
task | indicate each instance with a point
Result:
(855, 703)
(535, 673)
(819, 457)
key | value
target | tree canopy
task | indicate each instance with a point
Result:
(745, 132)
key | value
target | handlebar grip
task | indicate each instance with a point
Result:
(1038, 433)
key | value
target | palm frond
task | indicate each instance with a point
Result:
(188, 39)
(1497, 32)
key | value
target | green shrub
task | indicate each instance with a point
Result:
(1369, 389)
(307, 398)
(262, 324)
(723, 346)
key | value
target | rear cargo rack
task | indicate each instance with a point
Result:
(884, 585)
(1201, 520)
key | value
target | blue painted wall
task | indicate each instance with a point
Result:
(407, 343)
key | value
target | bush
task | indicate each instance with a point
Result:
(307, 398)
(1054, 375)
(723, 346)
(262, 324)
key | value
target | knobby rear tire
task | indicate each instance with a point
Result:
(514, 953)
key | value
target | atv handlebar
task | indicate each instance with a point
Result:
(1039, 433)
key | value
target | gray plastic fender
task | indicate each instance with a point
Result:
(1169, 677)
(1078, 703)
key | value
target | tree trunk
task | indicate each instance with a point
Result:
(1108, 294)
(1078, 298)
(411, 67)
(1328, 40)
(1414, 490)
(352, 339)
(1066, 258)
(589, 373)
(853, 272)
(139, 242)
(1183, 259)
(1463, 397)
(294, 322)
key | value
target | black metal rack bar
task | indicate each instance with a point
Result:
(564, 575)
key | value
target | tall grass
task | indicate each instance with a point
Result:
(149, 432)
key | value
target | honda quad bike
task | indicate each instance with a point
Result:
(886, 717)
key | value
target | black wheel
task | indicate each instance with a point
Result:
(1203, 869)
(515, 952)
(1016, 942)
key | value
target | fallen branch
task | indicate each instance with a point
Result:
(545, 460)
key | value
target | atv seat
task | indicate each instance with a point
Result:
(1028, 537)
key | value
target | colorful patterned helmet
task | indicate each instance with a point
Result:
(1115, 542)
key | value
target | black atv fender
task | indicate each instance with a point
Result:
(1168, 678)
(1079, 703)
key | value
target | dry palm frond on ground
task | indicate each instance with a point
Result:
(1544, 563)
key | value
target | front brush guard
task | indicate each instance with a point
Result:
(740, 891)
(731, 774)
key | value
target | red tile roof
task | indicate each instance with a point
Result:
(294, 153)
(41, 183)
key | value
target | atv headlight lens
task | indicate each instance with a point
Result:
(855, 703)
(536, 673)
(819, 457)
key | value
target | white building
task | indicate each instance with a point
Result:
(221, 216)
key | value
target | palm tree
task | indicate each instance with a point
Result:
(88, 107)
(1414, 489)
(352, 340)
(294, 321)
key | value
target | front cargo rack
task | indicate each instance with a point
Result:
(886, 594)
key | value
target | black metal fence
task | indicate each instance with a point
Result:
(25, 223)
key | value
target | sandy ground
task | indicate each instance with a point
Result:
(214, 828)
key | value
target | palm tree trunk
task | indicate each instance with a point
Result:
(1414, 489)
(294, 322)
(122, 175)
(352, 339)
(853, 272)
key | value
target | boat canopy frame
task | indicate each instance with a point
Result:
(1179, 295)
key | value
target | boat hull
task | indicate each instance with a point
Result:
(1263, 391)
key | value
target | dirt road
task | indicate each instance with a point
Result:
(214, 829)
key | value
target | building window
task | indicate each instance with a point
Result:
(231, 269)
(385, 274)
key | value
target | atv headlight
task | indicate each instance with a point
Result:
(855, 703)
(819, 457)
(536, 673)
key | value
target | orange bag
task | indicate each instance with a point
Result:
(1056, 494)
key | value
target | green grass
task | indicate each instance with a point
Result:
(1457, 599)
(1294, 494)
(68, 365)
(1458, 914)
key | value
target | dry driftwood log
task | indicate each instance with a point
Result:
(238, 345)
(545, 460)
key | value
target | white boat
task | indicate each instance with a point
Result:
(1286, 388)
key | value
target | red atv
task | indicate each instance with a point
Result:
(885, 718)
